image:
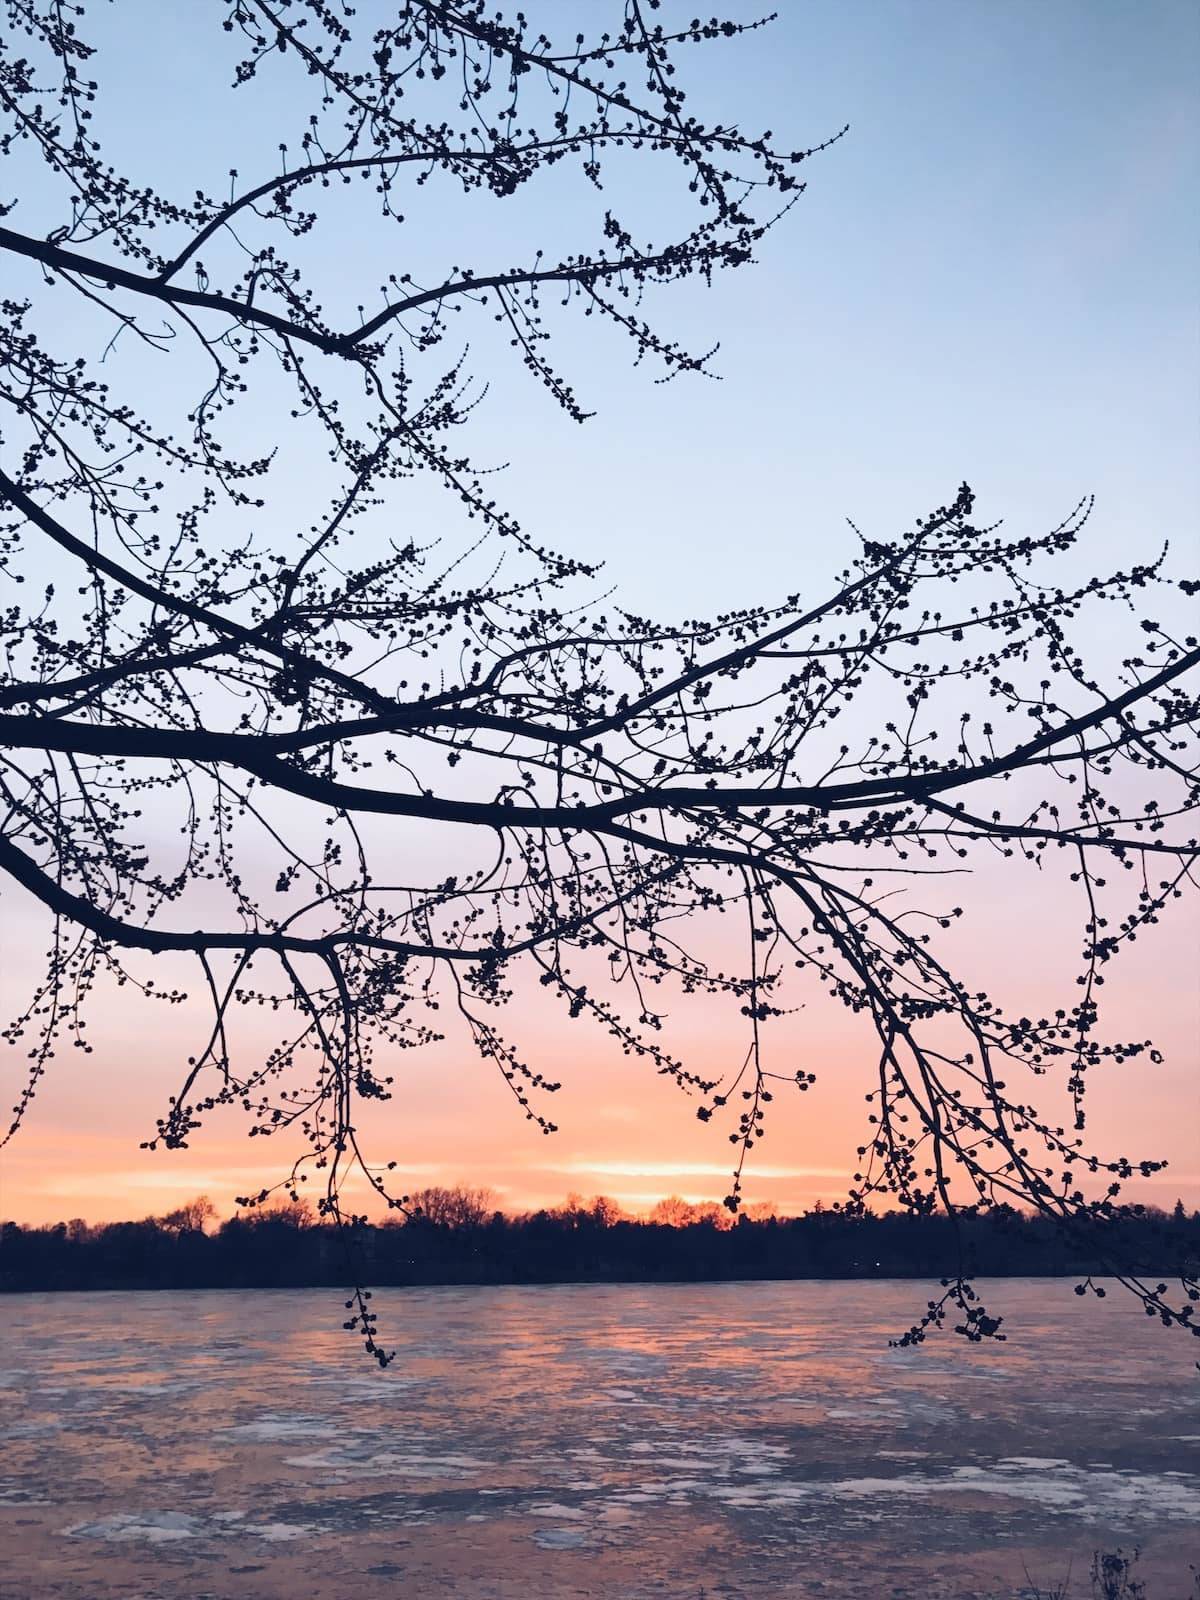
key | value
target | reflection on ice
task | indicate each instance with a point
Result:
(580, 1422)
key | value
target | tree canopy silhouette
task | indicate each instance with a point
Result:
(458, 1236)
(228, 679)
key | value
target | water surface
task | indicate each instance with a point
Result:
(633, 1441)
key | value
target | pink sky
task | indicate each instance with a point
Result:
(624, 1131)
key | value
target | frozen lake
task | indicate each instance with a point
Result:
(627, 1441)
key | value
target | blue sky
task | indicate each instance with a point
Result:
(993, 276)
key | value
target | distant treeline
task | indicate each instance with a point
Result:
(459, 1238)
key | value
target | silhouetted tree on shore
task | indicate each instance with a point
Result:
(189, 1218)
(216, 690)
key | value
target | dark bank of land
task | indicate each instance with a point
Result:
(469, 1244)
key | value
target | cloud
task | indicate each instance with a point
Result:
(633, 1168)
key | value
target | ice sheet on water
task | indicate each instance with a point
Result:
(169, 1527)
(273, 1427)
(559, 1538)
(148, 1527)
(1056, 1487)
(770, 1411)
(354, 1459)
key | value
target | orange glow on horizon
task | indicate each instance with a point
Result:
(625, 1131)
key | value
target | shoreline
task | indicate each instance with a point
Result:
(565, 1282)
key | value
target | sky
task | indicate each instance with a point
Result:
(992, 276)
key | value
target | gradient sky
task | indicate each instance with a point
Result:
(993, 276)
